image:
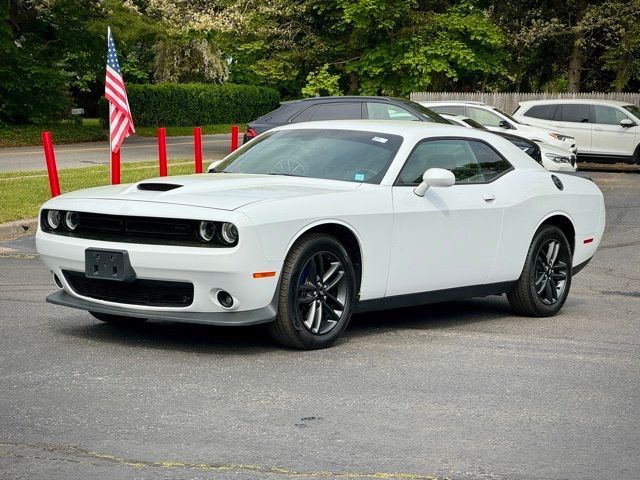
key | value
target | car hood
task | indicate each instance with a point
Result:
(224, 191)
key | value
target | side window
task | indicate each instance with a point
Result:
(469, 160)
(573, 112)
(608, 115)
(385, 111)
(544, 112)
(484, 117)
(330, 111)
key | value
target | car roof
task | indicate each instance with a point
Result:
(553, 101)
(435, 103)
(342, 98)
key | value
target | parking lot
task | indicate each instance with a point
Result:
(461, 390)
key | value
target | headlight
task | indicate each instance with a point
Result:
(71, 220)
(53, 219)
(559, 136)
(206, 231)
(229, 233)
(557, 158)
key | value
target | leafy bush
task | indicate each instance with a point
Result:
(197, 103)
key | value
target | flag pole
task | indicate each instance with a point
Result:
(109, 120)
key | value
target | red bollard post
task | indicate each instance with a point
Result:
(115, 168)
(197, 148)
(162, 151)
(50, 159)
(235, 133)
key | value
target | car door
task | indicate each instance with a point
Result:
(448, 238)
(574, 119)
(609, 137)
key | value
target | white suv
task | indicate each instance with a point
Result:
(604, 129)
(498, 121)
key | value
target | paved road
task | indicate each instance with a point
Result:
(461, 390)
(134, 149)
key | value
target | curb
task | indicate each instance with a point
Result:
(18, 228)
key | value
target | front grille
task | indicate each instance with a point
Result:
(152, 293)
(133, 229)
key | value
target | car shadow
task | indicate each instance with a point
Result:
(256, 340)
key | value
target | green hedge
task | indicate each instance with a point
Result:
(189, 104)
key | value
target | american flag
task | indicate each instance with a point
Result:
(120, 121)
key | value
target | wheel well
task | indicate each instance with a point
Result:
(348, 240)
(564, 224)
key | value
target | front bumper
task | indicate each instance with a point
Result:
(209, 270)
(249, 317)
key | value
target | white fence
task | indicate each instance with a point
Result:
(509, 101)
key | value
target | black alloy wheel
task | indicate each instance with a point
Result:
(545, 281)
(317, 293)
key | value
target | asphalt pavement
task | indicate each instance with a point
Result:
(461, 390)
(134, 149)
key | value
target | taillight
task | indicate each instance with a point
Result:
(251, 133)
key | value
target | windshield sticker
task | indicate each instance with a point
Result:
(358, 177)
(380, 139)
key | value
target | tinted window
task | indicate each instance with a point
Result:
(573, 112)
(469, 160)
(451, 109)
(385, 111)
(330, 111)
(633, 109)
(545, 112)
(429, 114)
(347, 155)
(484, 117)
(608, 115)
(471, 122)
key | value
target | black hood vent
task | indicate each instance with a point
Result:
(158, 187)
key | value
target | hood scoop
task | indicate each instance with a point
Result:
(158, 187)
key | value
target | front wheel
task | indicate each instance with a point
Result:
(317, 293)
(546, 278)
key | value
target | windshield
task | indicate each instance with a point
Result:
(427, 112)
(348, 155)
(633, 109)
(508, 116)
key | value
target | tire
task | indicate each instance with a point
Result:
(539, 293)
(117, 319)
(313, 315)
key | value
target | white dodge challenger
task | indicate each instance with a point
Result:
(310, 223)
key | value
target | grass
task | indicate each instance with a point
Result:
(22, 193)
(89, 131)
(183, 131)
(62, 132)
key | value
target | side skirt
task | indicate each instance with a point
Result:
(435, 296)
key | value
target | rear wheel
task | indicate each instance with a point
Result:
(546, 278)
(117, 319)
(317, 293)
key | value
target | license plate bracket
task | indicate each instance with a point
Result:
(108, 265)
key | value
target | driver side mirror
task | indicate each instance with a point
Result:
(504, 124)
(627, 122)
(434, 177)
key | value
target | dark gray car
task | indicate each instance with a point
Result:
(342, 108)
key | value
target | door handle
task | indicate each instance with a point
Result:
(488, 196)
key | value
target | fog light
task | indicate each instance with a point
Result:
(225, 299)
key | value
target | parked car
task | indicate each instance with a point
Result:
(315, 221)
(496, 120)
(605, 130)
(341, 108)
(552, 158)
